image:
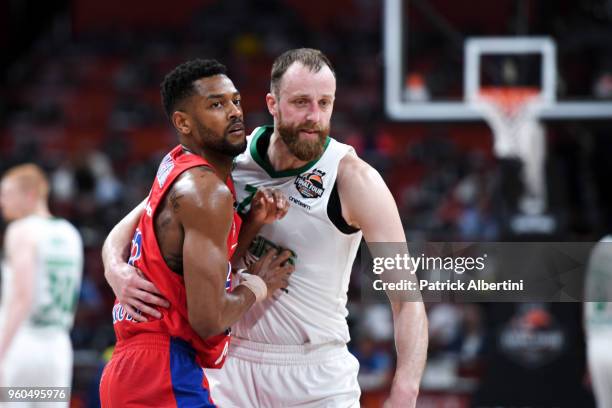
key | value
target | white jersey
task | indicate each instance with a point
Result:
(57, 281)
(598, 314)
(314, 311)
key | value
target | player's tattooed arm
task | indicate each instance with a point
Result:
(168, 232)
(130, 286)
(368, 204)
(174, 200)
(268, 205)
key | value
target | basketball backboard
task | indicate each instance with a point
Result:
(438, 53)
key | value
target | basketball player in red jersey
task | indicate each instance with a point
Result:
(182, 244)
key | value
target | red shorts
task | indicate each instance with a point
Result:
(154, 370)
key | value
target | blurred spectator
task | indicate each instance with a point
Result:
(375, 364)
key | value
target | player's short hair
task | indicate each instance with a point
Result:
(178, 84)
(309, 57)
(29, 177)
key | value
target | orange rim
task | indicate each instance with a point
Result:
(508, 98)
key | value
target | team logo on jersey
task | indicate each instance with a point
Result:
(136, 249)
(164, 170)
(310, 185)
(260, 246)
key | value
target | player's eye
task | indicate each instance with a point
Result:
(216, 105)
(238, 102)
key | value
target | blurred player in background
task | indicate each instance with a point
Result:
(41, 280)
(598, 321)
(183, 244)
(291, 350)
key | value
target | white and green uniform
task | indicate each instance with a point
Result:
(598, 320)
(297, 339)
(41, 352)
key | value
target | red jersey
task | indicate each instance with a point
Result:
(146, 256)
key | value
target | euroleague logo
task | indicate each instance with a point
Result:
(310, 185)
(136, 249)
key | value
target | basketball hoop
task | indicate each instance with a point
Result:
(512, 114)
(509, 99)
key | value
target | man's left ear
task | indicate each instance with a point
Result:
(271, 104)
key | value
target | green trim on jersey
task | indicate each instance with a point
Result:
(265, 164)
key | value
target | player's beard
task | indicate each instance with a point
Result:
(221, 144)
(305, 150)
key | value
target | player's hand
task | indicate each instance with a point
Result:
(274, 269)
(137, 294)
(401, 396)
(267, 206)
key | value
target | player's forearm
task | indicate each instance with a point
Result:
(210, 322)
(411, 338)
(15, 316)
(116, 246)
(237, 303)
(210, 308)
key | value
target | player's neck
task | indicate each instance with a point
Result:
(40, 210)
(279, 155)
(221, 163)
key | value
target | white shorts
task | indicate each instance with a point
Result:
(38, 357)
(270, 376)
(599, 351)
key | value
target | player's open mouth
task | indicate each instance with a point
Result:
(236, 129)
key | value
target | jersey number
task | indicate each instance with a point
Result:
(64, 296)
